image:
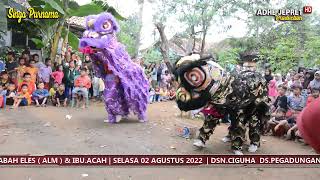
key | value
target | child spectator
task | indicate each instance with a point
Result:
(151, 95)
(38, 64)
(33, 70)
(58, 75)
(27, 81)
(95, 85)
(157, 94)
(163, 94)
(276, 117)
(23, 98)
(52, 93)
(296, 102)
(61, 96)
(69, 76)
(282, 100)
(21, 69)
(101, 88)
(45, 72)
(5, 79)
(11, 94)
(272, 90)
(172, 94)
(81, 86)
(314, 95)
(3, 93)
(40, 95)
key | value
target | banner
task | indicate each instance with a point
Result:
(159, 160)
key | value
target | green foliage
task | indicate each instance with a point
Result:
(38, 42)
(85, 10)
(129, 33)
(228, 57)
(152, 55)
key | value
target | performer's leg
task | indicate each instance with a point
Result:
(254, 133)
(237, 131)
(206, 130)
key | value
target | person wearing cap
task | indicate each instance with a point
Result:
(315, 83)
(308, 124)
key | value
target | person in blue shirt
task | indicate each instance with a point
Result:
(40, 95)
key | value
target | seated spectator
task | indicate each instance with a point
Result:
(315, 83)
(3, 93)
(81, 86)
(314, 95)
(172, 94)
(27, 81)
(23, 98)
(52, 93)
(282, 100)
(61, 96)
(276, 117)
(5, 79)
(58, 75)
(11, 94)
(40, 95)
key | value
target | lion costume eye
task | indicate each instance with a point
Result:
(195, 77)
(107, 25)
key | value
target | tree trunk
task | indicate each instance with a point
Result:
(138, 38)
(203, 42)
(55, 42)
(164, 45)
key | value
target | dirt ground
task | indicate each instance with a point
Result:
(41, 131)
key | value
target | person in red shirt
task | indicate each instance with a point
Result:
(27, 80)
(81, 86)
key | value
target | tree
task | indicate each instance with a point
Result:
(129, 34)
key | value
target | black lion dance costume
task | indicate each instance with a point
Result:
(243, 96)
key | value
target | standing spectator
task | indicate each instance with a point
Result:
(57, 76)
(11, 65)
(38, 64)
(307, 79)
(272, 90)
(40, 95)
(315, 83)
(278, 79)
(166, 78)
(154, 76)
(267, 75)
(33, 70)
(2, 66)
(69, 76)
(21, 69)
(45, 73)
(159, 73)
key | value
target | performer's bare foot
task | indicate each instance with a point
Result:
(118, 119)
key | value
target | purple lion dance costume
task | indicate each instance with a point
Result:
(126, 87)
